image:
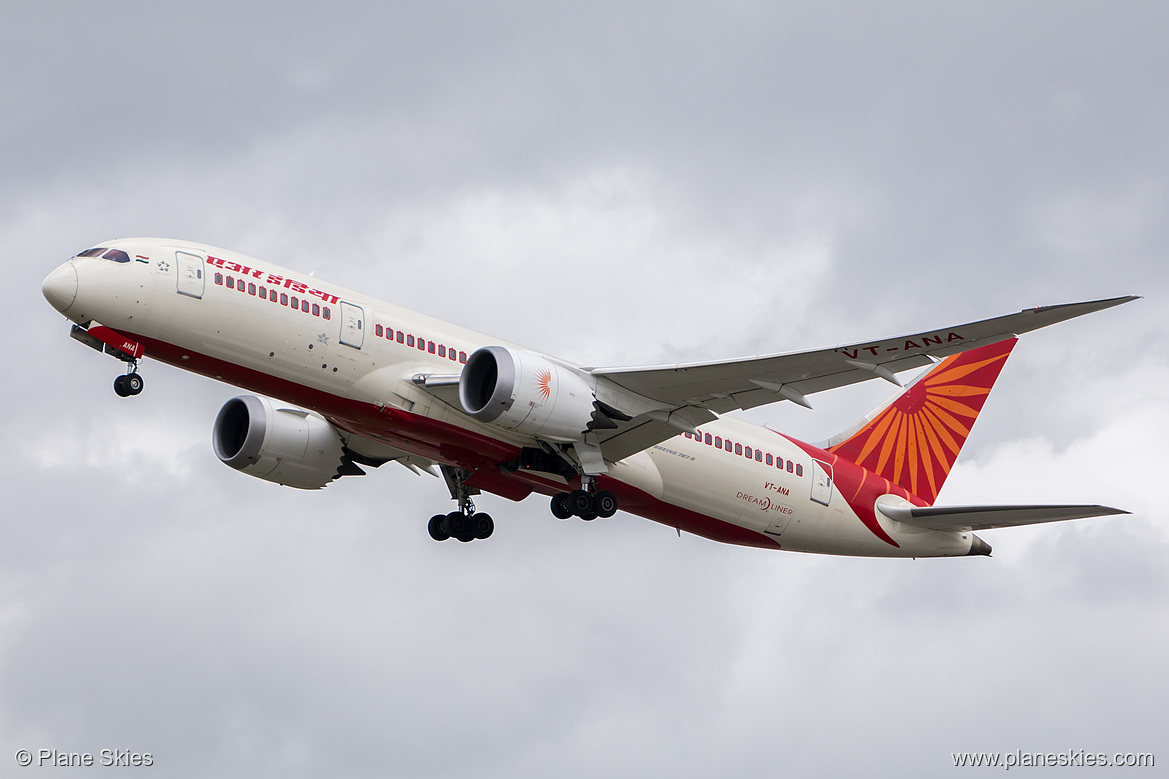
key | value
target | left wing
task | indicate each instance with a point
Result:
(689, 394)
(987, 517)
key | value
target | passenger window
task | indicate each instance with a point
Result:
(409, 340)
(441, 350)
(251, 289)
(758, 456)
(326, 313)
(398, 338)
(377, 330)
(747, 452)
(718, 442)
(263, 293)
(430, 346)
(296, 303)
(421, 344)
(231, 282)
(463, 357)
(738, 448)
(789, 466)
(317, 309)
(708, 439)
(219, 279)
(284, 298)
(768, 458)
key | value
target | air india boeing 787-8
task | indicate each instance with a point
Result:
(348, 382)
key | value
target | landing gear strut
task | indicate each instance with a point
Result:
(128, 384)
(465, 524)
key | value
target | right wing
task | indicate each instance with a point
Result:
(689, 394)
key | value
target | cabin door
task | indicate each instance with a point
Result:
(191, 276)
(821, 482)
(352, 325)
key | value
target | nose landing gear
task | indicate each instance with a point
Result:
(128, 384)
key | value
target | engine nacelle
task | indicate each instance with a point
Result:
(525, 392)
(280, 444)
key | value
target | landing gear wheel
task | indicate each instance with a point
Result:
(561, 505)
(437, 529)
(120, 387)
(482, 525)
(589, 517)
(456, 525)
(581, 503)
(605, 504)
(133, 383)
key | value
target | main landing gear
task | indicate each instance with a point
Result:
(584, 504)
(457, 524)
(128, 384)
(465, 524)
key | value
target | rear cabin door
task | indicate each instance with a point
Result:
(352, 325)
(191, 276)
(821, 482)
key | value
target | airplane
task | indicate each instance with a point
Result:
(346, 382)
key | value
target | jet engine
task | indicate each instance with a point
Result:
(285, 445)
(525, 392)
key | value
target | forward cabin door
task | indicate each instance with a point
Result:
(352, 325)
(821, 482)
(191, 276)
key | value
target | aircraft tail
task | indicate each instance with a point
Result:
(915, 437)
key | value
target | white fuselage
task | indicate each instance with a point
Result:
(353, 359)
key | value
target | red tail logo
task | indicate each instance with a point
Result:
(915, 440)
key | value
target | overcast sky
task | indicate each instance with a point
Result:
(613, 183)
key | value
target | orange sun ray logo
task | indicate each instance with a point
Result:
(544, 383)
(914, 441)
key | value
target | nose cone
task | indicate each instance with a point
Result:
(60, 287)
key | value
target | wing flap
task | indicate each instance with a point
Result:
(959, 518)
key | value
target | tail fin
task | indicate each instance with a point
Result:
(914, 439)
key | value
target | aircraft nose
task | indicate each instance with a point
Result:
(60, 287)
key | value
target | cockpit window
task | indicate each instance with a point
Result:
(117, 255)
(92, 252)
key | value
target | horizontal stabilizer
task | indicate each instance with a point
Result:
(988, 517)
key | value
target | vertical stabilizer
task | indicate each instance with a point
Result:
(914, 439)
